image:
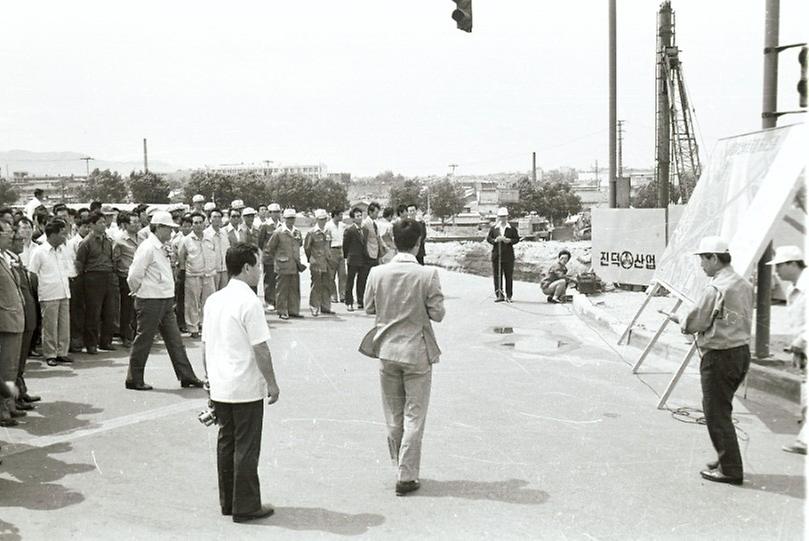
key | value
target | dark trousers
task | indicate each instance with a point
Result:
(721, 373)
(76, 313)
(127, 310)
(157, 315)
(500, 270)
(269, 281)
(360, 273)
(100, 305)
(179, 295)
(35, 339)
(237, 452)
(24, 350)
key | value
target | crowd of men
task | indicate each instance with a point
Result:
(75, 280)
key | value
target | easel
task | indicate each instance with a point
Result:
(653, 289)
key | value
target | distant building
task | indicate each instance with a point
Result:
(270, 168)
(58, 189)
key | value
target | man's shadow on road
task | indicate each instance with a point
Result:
(793, 486)
(510, 491)
(319, 519)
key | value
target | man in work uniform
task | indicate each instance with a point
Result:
(264, 234)
(219, 238)
(317, 249)
(284, 247)
(198, 203)
(721, 320)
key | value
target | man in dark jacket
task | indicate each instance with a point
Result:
(412, 210)
(503, 237)
(356, 259)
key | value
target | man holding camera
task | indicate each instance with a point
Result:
(239, 367)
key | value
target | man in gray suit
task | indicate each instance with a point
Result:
(405, 297)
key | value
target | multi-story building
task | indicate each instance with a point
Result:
(270, 168)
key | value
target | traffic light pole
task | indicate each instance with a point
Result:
(768, 120)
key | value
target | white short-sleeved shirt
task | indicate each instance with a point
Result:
(52, 269)
(234, 323)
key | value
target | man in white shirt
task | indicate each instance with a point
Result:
(34, 203)
(791, 268)
(151, 280)
(219, 237)
(337, 263)
(49, 263)
(239, 369)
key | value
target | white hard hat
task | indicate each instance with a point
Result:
(712, 245)
(237, 204)
(161, 217)
(290, 213)
(274, 207)
(785, 254)
(152, 210)
(502, 211)
(210, 205)
(320, 214)
(199, 198)
(249, 211)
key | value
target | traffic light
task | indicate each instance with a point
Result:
(463, 14)
(802, 80)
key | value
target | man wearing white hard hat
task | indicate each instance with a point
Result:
(151, 280)
(264, 234)
(284, 247)
(721, 321)
(237, 204)
(198, 203)
(789, 266)
(317, 249)
(249, 232)
(503, 237)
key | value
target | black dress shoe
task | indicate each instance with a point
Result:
(92, 350)
(718, 477)
(403, 487)
(64, 359)
(499, 299)
(107, 347)
(138, 386)
(192, 383)
(9, 422)
(296, 316)
(263, 512)
(24, 406)
(31, 398)
(52, 361)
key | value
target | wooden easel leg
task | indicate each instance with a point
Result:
(663, 399)
(628, 329)
(654, 339)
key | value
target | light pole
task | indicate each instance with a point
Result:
(87, 163)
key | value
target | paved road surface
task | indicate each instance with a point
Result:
(537, 429)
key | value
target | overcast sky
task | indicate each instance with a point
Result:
(369, 85)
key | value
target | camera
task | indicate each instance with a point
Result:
(208, 416)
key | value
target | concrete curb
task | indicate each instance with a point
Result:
(763, 378)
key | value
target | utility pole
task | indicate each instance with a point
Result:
(452, 166)
(534, 167)
(613, 109)
(598, 180)
(87, 163)
(620, 149)
(663, 118)
(145, 158)
(769, 105)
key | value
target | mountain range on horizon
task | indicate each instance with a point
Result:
(69, 163)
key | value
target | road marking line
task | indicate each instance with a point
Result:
(38, 442)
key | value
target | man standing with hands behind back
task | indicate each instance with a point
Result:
(238, 363)
(405, 297)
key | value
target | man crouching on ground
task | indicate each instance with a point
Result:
(404, 296)
(238, 363)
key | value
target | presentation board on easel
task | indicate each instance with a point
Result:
(741, 196)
